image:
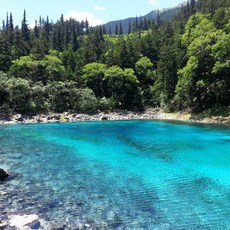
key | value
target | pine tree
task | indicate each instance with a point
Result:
(73, 39)
(11, 25)
(20, 48)
(40, 22)
(3, 25)
(145, 24)
(86, 26)
(120, 29)
(25, 35)
(7, 21)
(124, 54)
(141, 23)
(36, 30)
(187, 11)
(116, 29)
(5, 52)
(47, 29)
(25, 29)
(62, 19)
(98, 42)
(136, 24)
(192, 6)
(11, 30)
(66, 34)
(158, 22)
(167, 66)
(130, 28)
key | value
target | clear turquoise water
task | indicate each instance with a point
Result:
(119, 175)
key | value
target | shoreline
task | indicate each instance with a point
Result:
(150, 114)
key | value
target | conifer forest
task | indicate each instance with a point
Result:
(181, 64)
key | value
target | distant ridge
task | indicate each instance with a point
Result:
(165, 15)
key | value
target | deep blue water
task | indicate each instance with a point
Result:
(118, 175)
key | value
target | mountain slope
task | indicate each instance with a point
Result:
(165, 15)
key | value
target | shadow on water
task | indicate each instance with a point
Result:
(204, 192)
(225, 140)
(148, 150)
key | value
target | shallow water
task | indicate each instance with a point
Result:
(118, 175)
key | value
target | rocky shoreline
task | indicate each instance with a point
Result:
(150, 114)
(74, 117)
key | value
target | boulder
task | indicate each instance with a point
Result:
(3, 225)
(3, 175)
(25, 222)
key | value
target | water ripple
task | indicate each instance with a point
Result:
(121, 175)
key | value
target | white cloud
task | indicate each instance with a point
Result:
(153, 2)
(32, 25)
(82, 16)
(99, 8)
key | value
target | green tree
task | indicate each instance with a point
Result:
(28, 68)
(120, 29)
(69, 61)
(54, 69)
(19, 47)
(144, 71)
(66, 97)
(84, 101)
(25, 35)
(204, 80)
(40, 48)
(146, 77)
(4, 92)
(167, 68)
(58, 96)
(123, 88)
(93, 74)
(38, 99)
(97, 41)
(5, 52)
(149, 46)
(19, 95)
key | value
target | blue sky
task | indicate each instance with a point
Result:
(96, 11)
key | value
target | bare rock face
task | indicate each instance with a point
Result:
(3, 175)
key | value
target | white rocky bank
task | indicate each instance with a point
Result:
(73, 117)
(150, 114)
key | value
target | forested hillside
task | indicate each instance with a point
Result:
(129, 23)
(182, 64)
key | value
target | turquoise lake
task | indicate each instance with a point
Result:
(118, 175)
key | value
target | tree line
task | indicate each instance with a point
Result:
(182, 64)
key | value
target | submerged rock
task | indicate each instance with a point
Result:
(3, 225)
(25, 222)
(3, 175)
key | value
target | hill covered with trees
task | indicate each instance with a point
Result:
(128, 24)
(182, 64)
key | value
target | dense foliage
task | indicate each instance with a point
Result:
(183, 64)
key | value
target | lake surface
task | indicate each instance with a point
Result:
(118, 175)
